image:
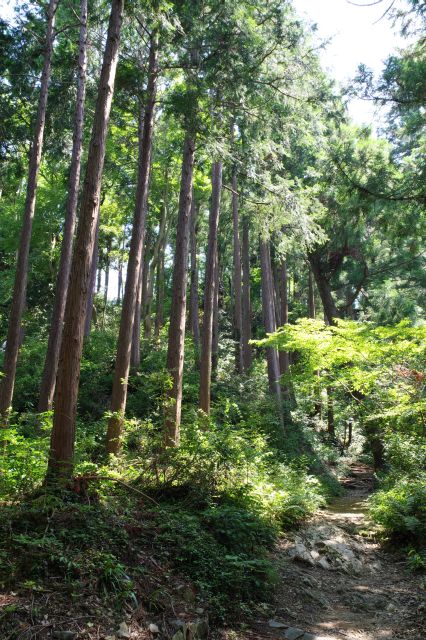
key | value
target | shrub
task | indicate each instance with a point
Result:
(401, 510)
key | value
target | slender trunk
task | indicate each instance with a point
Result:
(176, 345)
(311, 295)
(330, 413)
(152, 274)
(21, 275)
(147, 322)
(209, 290)
(92, 278)
(145, 276)
(61, 455)
(246, 302)
(268, 309)
(348, 440)
(330, 309)
(135, 351)
(47, 387)
(106, 284)
(159, 308)
(120, 281)
(194, 318)
(99, 280)
(237, 282)
(215, 331)
(135, 354)
(122, 362)
(283, 300)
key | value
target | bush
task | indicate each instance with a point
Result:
(401, 510)
(209, 551)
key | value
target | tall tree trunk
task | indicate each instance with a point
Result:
(268, 309)
(47, 387)
(122, 362)
(99, 280)
(120, 281)
(145, 275)
(330, 413)
(92, 278)
(246, 298)
(283, 314)
(147, 320)
(160, 291)
(61, 455)
(21, 276)
(152, 273)
(215, 330)
(330, 309)
(237, 282)
(135, 350)
(311, 295)
(176, 344)
(209, 290)
(106, 283)
(194, 318)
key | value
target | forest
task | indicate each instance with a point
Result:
(212, 326)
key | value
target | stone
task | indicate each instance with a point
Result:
(308, 636)
(123, 631)
(176, 623)
(324, 564)
(153, 628)
(293, 633)
(64, 635)
(301, 553)
(274, 624)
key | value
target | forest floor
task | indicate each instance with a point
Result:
(337, 581)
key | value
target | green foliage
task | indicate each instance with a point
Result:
(401, 509)
(208, 550)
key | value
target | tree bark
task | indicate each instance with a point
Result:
(147, 320)
(106, 283)
(283, 314)
(122, 362)
(330, 309)
(61, 456)
(215, 330)
(152, 273)
(21, 276)
(145, 283)
(330, 413)
(135, 352)
(160, 292)
(99, 280)
(268, 309)
(47, 388)
(194, 318)
(311, 295)
(176, 344)
(209, 290)
(246, 301)
(93, 270)
(237, 281)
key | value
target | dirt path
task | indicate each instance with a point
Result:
(337, 582)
